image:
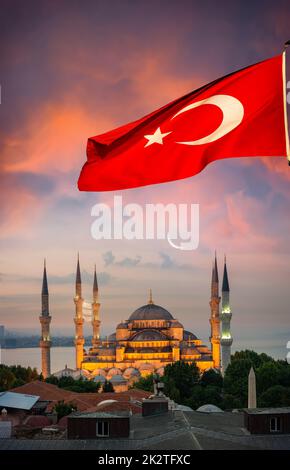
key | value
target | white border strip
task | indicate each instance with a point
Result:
(285, 104)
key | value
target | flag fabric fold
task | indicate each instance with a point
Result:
(240, 115)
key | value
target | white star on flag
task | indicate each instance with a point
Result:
(156, 138)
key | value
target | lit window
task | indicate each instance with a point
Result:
(102, 428)
(275, 424)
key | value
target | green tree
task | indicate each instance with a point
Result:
(267, 376)
(80, 385)
(229, 402)
(108, 387)
(284, 373)
(172, 391)
(52, 380)
(212, 377)
(256, 359)
(196, 398)
(203, 395)
(64, 409)
(275, 396)
(7, 378)
(180, 376)
(14, 376)
(144, 383)
(236, 379)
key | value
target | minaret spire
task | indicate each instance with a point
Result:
(226, 315)
(215, 317)
(95, 286)
(44, 292)
(225, 286)
(78, 319)
(95, 310)
(78, 279)
(215, 278)
(45, 319)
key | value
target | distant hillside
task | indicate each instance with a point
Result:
(33, 341)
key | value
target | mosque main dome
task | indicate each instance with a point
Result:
(151, 312)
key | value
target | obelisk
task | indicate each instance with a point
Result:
(252, 394)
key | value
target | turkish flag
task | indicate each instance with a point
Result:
(240, 115)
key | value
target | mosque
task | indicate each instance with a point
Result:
(146, 342)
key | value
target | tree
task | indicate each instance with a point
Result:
(64, 409)
(267, 376)
(236, 379)
(7, 378)
(275, 396)
(108, 387)
(256, 359)
(180, 376)
(196, 398)
(284, 373)
(144, 383)
(212, 377)
(229, 402)
(80, 385)
(14, 376)
(52, 380)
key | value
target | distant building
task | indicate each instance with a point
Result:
(267, 420)
(98, 425)
(2, 336)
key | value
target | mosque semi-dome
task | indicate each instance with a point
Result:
(99, 378)
(117, 379)
(131, 372)
(149, 335)
(187, 335)
(114, 371)
(151, 312)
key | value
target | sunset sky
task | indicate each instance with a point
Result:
(73, 69)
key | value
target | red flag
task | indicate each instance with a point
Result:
(240, 115)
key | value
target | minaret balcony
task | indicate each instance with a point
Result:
(226, 341)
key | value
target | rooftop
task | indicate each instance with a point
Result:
(267, 411)
(151, 312)
(101, 414)
(186, 430)
(20, 401)
(83, 401)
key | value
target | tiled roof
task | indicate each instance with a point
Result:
(100, 414)
(120, 406)
(83, 401)
(44, 390)
(37, 421)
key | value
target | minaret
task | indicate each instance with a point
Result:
(226, 315)
(215, 317)
(45, 319)
(95, 310)
(78, 319)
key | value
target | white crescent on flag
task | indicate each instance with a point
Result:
(233, 113)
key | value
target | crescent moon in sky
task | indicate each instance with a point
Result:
(233, 113)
